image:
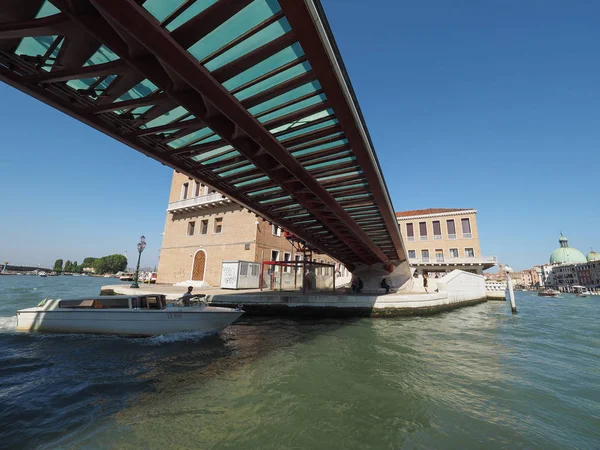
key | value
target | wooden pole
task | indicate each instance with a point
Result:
(511, 294)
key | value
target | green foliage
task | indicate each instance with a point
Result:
(58, 265)
(68, 267)
(110, 264)
(88, 262)
(75, 268)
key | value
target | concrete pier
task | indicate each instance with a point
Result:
(455, 290)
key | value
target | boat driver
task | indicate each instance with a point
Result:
(187, 296)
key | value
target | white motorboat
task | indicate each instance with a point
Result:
(141, 315)
(42, 274)
(581, 291)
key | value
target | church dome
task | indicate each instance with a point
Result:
(565, 254)
(593, 256)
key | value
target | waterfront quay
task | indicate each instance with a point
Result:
(452, 291)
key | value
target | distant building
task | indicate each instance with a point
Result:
(565, 254)
(568, 267)
(203, 228)
(443, 239)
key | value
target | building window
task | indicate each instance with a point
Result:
(412, 254)
(466, 228)
(423, 231)
(453, 253)
(439, 255)
(437, 229)
(191, 228)
(218, 225)
(204, 226)
(424, 255)
(274, 257)
(410, 232)
(275, 230)
(184, 190)
(469, 253)
(286, 258)
(197, 189)
(451, 228)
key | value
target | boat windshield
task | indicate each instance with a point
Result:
(103, 303)
(149, 302)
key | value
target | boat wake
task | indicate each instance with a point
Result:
(181, 336)
(8, 324)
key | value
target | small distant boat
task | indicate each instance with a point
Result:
(548, 293)
(581, 291)
(139, 315)
(42, 274)
(127, 277)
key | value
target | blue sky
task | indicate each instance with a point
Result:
(489, 105)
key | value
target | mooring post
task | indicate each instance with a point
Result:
(511, 292)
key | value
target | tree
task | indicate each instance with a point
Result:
(58, 266)
(88, 262)
(68, 267)
(110, 264)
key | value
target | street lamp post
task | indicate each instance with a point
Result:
(141, 246)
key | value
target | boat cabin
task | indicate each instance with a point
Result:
(156, 302)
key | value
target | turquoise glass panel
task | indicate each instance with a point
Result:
(352, 197)
(142, 89)
(351, 186)
(271, 63)
(294, 216)
(184, 140)
(305, 120)
(330, 163)
(103, 55)
(34, 46)
(288, 74)
(275, 200)
(83, 83)
(295, 107)
(167, 117)
(250, 182)
(138, 112)
(222, 157)
(160, 9)
(212, 153)
(291, 126)
(197, 7)
(339, 135)
(265, 191)
(247, 18)
(47, 9)
(259, 39)
(107, 80)
(351, 172)
(287, 97)
(305, 221)
(238, 170)
(316, 148)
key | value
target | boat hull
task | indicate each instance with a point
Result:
(128, 322)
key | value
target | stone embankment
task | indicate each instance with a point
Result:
(454, 290)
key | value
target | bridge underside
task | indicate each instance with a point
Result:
(247, 96)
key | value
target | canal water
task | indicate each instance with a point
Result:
(472, 378)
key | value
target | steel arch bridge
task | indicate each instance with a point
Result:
(250, 97)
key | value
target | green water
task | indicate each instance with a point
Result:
(472, 378)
